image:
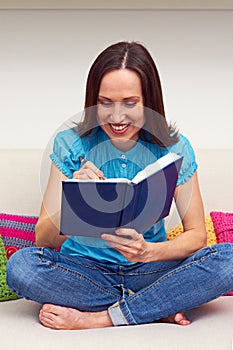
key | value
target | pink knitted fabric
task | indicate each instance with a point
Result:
(223, 227)
(17, 231)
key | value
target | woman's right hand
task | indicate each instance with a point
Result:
(88, 171)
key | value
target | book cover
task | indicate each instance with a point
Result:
(90, 208)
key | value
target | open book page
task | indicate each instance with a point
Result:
(141, 175)
(155, 167)
(114, 179)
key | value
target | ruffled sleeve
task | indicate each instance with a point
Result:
(189, 165)
(67, 147)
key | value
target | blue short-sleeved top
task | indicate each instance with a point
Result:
(97, 148)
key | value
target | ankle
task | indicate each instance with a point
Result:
(100, 319)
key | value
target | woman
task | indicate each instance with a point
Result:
(128, 278)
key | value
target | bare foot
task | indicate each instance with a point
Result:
(178, 318)
(59, 317)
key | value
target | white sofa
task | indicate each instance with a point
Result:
(212, 324)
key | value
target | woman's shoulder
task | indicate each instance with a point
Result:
(67, 136)
(189, 165)
(183, 145)
(67, 147)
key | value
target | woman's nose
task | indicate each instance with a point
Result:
(117, 115)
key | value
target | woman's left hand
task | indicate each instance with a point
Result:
(129, 243)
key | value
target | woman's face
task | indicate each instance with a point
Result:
(120, 107)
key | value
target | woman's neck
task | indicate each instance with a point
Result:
(123, 146)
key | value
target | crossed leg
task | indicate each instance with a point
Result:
(60, 317)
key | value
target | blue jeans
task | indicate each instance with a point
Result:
(140, 293)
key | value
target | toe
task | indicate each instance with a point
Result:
(181, 319)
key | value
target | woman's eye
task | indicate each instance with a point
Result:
(109, 104)
(130, 104)
(106, 104)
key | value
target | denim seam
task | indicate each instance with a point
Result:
(126, 312)
(197, 262)
(76, 261)
(120, 314)
(149, 272)
(84, 265)
(75, 273)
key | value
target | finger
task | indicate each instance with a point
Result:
(84, 174)
(117, 240)
(130, 233)
(132, 250)
(76, 175)
(93, 167)
(123, 248)
(89, 174)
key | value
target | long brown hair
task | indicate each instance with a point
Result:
(133, 56)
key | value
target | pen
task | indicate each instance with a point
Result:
(83, 161)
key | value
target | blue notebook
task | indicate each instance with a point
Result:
(92, 207)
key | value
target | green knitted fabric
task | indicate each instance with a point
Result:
(5, 292)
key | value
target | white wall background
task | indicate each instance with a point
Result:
(45, 57)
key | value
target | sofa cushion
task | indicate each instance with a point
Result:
(17, 231)
(223, 226)
(5, 292)
(211, 328)
(211, 237)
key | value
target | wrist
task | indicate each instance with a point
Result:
(151, 252)
(157, 251)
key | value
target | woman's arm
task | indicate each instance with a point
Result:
(48, 225)
(190, 208)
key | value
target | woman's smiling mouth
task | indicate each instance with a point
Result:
(119, 128)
